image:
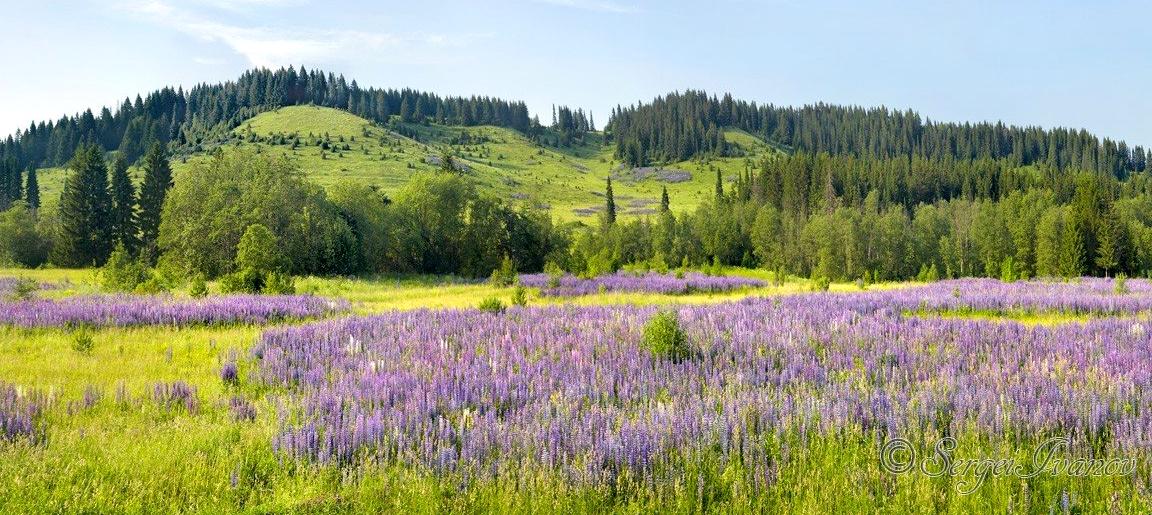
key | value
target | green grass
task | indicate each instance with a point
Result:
(568, 181)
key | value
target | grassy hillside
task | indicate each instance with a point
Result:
(333, 146)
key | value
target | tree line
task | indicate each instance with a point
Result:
(681, 126)
(206, 113)
(827, 217)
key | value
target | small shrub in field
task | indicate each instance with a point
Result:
(247, 280)
(492, 305)
(555, 273)
(505, 275)
(1121, 284)
(664, 337)
(82, 341)
(821, 283)
(520, 296)
(23, 289)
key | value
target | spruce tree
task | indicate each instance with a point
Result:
(85, 212)
(124, 228)
(32, 190)
(665, 202)
(157, 181)
(719, 186)
(610, 214)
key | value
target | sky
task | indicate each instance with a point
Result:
(1050, 63)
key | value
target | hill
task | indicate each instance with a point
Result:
(333, 146)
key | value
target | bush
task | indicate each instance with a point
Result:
(505, 275)
(23, 289)
(664, 337)
(276, 283)
(492, 305)
(122, 273)
(247, 280)
(1121, 284)
(198, 287)
(520, 296)
(821, 283)
(82, 341)
(555, 273)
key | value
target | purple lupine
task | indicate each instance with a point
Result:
(137, 310)
(571, 389)
(241, 409)
(176, 395)
(21, 414)
(229, 373)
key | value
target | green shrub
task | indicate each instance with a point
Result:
(23, 289)
(664, 337)
(198, 287)
(247, 280)
(821, 283)
(1120, 284)
(520, 296)
(82, 341)
(492, 305)
(276, 283)
(505, 275)
(555, 273)
(122, 273)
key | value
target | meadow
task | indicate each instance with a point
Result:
(337, 147)
(397, 394)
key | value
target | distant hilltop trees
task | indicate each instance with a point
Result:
(681, 126)
(210, 111)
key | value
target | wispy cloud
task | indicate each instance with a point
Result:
(278, 46)
(595, 5)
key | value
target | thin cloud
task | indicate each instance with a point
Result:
(595, 5)
(270, 47)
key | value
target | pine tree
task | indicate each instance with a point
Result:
(124, 226)
(157, 181)
(665, 202)
(610, 214)
(32, 190)
(85, 212)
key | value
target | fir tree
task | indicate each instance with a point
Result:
(610, 212)
(85, 212)
(32, 190)
(157, 181)
(719, 187)
(665, 202)
(124, 226)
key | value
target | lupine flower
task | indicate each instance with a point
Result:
(668, 284)
(136, 310)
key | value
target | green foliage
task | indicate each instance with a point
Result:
(122, 273)
(23, 289)
(82, 341)
(124, 222)
(153, 192)
(492, 305)
(198, 287)
(555, 274)
(504, 276)
(85, 231)
(245, 280)
(520, 296)
(664, 337)
(213, 204)
(278, 283)
(1120, 284)
(821, 283)
(259, 250)
(22, 242)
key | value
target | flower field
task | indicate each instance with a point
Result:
(773, 403)
(651, 282)
(570, 389)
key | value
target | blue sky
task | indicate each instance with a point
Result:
(1049, 63)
